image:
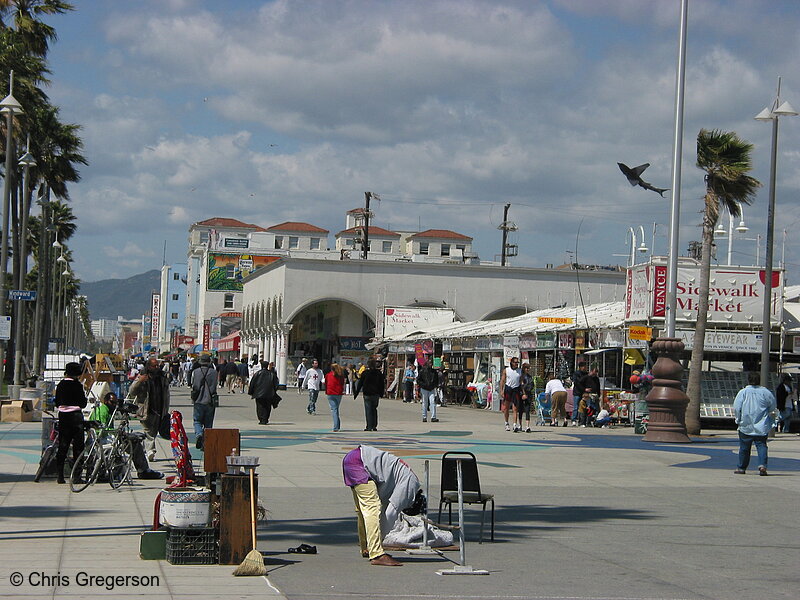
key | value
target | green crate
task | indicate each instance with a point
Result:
(192, 546)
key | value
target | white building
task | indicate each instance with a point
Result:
(314, 307)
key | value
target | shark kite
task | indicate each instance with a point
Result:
(634, 177)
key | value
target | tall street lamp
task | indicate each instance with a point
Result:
(9, 107)
(772, 113)
(26, 162)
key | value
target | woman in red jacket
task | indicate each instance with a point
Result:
(334, 388)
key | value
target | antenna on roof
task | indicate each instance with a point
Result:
(164, 260)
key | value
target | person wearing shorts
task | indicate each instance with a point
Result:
(510, 383)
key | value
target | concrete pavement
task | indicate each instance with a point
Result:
(581, 513)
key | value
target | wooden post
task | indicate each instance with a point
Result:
(235, 539)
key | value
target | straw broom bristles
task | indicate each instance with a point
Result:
(253, 563)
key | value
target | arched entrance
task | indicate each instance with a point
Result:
(329, 330)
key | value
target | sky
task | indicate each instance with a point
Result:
(448, 110)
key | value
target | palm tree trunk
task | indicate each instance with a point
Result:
(693, 388)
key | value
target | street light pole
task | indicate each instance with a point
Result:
(9, 106)
(770, 114)
(26, 162)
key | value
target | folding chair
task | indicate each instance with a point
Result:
(471, 486)
(543, 406)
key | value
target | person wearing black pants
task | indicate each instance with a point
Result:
(373, 386)
(263, 387)
(70, 399)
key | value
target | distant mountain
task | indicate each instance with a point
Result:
(129, 298)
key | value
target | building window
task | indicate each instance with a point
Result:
(315, 243)
(230, 271)
(445, 249)
(203, 237)
(176, 276)
(175, 297)
(174, 316)
(387, 247)
(349, 242)
(294, 241)
(228, 305)
(461, 247)
(278, 242)
(423, 247)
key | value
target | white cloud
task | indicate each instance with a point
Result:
(294, 110)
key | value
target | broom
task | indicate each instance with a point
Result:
(253, 563)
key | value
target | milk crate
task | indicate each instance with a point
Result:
(192, 546)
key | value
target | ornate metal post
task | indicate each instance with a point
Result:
(667, 402)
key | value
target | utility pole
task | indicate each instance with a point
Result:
(505, 227)
(365, 237)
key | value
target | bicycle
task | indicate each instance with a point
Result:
(49, 454)
(112, 459)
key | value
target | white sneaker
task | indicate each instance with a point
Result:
(507, 427)
(517, 428)
(151, 456)
(574, 423)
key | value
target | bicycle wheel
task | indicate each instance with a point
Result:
(86, 468)
(48, 457)
(119, 462)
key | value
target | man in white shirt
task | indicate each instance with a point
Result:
(314, 381)
(511, 388)
(301, 375)
(557, 393)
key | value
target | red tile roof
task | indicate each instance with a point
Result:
(224, 222)
(373, 231)
(297, 227)
(441, 233)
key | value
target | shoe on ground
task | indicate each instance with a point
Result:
(574, 423)
(527, 430)
(739, 471)
(365, 554)
(424, 420)
(335, 430)
(517, 428)
(61, 480)
(151, 456)
(384, 560)
(199, 443)
(263, 422)
(151, 474)
(507, 427)
(762, 471)
(434, 420)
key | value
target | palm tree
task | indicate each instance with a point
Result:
(726, 160)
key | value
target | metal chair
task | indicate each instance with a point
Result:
(471, 486)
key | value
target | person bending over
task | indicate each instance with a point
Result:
(383, 485)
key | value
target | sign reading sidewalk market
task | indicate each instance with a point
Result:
(638, 332)
(400, 320)
(555, 320)
(735, 295)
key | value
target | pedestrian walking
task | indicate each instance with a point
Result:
(301, 374)
(263, 389)
(408, 383)
(428, 380)
(70, 399)
(512, 392)
(204, 398)
(334, 388)
(785, 397)
(755, 410)
(526, 383)
(313, 381)
(244, 373)
(373, 386)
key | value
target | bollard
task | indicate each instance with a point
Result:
(462, 568)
